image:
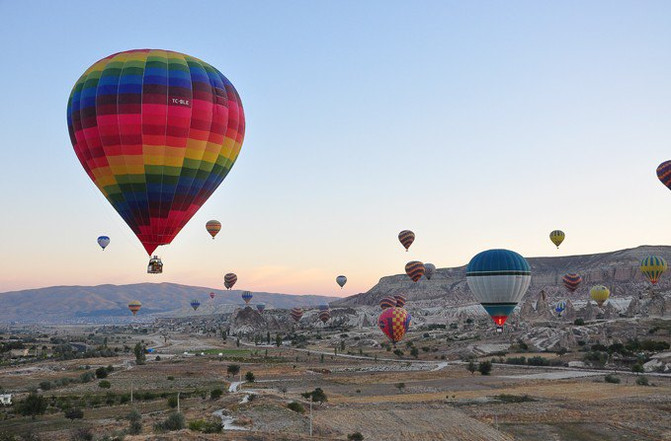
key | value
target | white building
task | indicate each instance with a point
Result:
(6, 399)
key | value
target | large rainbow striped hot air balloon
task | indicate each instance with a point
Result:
(415, 270)
(664, 173)
(324, 316)
(296, 313)
(653, 267)
(394, 322)
(498, 279)
(571, 281)
(157, 131)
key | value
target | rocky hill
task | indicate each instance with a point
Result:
(109, 303)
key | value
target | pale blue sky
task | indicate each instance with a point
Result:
(475, 124)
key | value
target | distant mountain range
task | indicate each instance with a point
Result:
(109, 303)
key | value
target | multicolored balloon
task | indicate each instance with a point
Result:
(557, 237)
(429, 269)
(247, 296)
(296, 313)
(394, 322)
(664, 173)
(599, 294)
(229, 280)
(498, 279)
(387, 302)
(341, 280)
(103, 241)
(195, 304)
(212, 295)
(653, 267)
(560, 307)
(134, 306)
(400, 301)
(157, 132)
(324, 316)
(213, 227)
(571, 281)
(260, 307)
(406, 237)
(415, 270)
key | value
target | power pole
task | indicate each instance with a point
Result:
(310, 417)
(131, 393)
(177, 402)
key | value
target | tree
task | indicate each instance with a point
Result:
(249, 377)
(216, 393)
(472, 367)
(278, 340)
(579, 322)
(316, 396)
(485, 367)
(637, 368)
(140, 356)
(135, 426)
(268, 337)
(175, 421)
(414, 352)
(356, 436)
(33, 405)
(172, 401)
(74, 413)
(101, 373)
(400, 386)
(233, 369)
(104, 384)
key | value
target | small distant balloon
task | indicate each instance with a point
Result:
(599, 294)
(560, 307)
(134, 306)
(195, 304)
(653, 267)
(571, 281)
(247, 296)
(387, 302)
(213, 227)
(103, 241)
(296, 313)
(429, 269)
(400, 301)
(415, 270)
(212, 295)
(229, 280)
(341, 280)
(394, 322)
(324, 316)
(557, 237)
(664, 173)
(260, 307)
(406, 237)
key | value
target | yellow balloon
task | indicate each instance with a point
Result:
(599, 294)
(557, 237)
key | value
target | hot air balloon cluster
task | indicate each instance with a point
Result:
(157, 132)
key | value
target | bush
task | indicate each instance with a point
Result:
(135, 426)
(81, 434)
(610, 378)
(105, 384)
(233, 369)
(485, 367)
(515, 360)
(101, 372)
(172, 401)
(206, 426)
(356, 436)
(506, 398)
(74, 414)
(398, 352)
(32, 405)
(538, 361)
(579, 322)
(637, 368)
(472, 367)
(642, 381)
(171, 378)
(216, 393)
(296, 407)
(249, 377)
(175, 421)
